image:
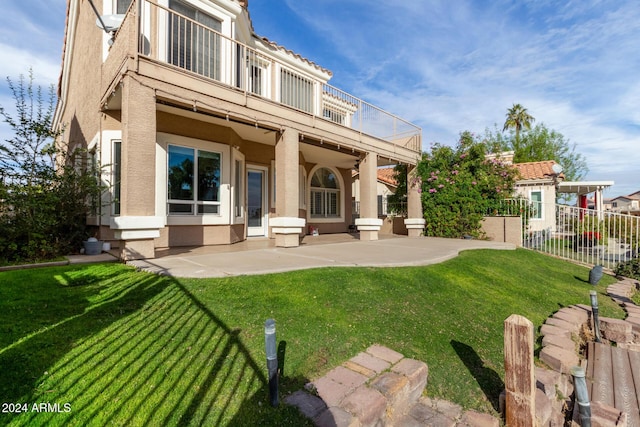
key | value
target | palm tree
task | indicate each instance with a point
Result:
(517, 118)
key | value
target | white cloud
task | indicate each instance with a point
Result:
(18, 61)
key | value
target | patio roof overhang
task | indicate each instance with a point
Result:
(582, 188)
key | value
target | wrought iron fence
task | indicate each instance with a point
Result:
(578, 234)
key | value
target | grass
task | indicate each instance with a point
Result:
(128, 348)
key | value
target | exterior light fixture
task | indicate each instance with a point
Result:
(272, 359)
(594, 309)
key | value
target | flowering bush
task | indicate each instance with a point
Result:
(459, 185)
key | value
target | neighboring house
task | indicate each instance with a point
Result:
(629, 204)
(386, 186)
(537, 182)
(209, 134)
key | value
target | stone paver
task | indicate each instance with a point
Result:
(371, 362)
(353, 395)
(384, 353)
(366, 404)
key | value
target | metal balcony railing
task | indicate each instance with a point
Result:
(191, 40)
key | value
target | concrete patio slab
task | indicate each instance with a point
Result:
(388, 252)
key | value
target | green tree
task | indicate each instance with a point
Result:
(518, 118)
(540, 144)
(45, 190)
(460, 186)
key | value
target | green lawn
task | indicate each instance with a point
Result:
(121, 347)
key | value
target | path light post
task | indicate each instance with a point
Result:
(582, 396)
(594, 310)
(272, 359)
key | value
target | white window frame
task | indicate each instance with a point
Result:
(238, 187)
(540, 208)
(302, 189)
(341, 195)
(195, 202)
(162, 176)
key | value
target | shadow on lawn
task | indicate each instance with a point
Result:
(136, 349)
(488, 379)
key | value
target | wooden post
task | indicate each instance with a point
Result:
(519, 377)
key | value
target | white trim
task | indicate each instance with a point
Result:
(237, 156)
(302, 187)
(415, 223)
(540, 204)
(136, 234)
(287, 225)
(342, 190)
(287, 221)
(224, 214)
(265, 199)
(137, 222)
(368, 224)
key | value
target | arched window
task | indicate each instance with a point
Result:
(325, 194)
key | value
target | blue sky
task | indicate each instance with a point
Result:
(445, 65)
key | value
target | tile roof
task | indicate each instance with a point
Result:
(536, 170)
(386, 175)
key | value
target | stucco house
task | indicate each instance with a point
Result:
(538, 182)
(207, 133)
(629, 204)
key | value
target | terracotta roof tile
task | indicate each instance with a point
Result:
(536, 170)
(386, 175)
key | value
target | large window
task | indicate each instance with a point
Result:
(194, 181)
(194, 43)
(325, 194)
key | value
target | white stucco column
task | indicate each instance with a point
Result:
(287, 225)
(137, 227)
(415, 221)
(369, 224)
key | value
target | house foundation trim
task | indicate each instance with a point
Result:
(137, 227)
(369, 224)
(287, 225)
(287, 230)
(415, 226)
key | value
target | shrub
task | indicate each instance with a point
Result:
(45, 190)
(459, 186)
(629, 269)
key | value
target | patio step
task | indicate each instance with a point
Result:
(380, 387)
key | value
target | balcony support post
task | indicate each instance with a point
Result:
(137, 227)
(415, 221)
(287, 226)
(369, 224)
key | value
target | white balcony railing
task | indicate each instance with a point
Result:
(195, 43)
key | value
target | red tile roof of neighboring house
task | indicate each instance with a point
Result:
(536, 170)
(388, 176)
(385, 175)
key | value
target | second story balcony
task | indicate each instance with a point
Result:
(183, 38)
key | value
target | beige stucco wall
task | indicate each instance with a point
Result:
(176, 235)
(503, 229)
(80, 114)
(548, 220)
